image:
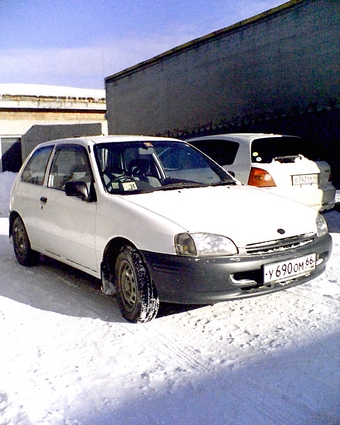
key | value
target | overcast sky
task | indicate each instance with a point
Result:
(78, 43)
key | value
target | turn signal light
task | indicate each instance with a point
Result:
(260, 178)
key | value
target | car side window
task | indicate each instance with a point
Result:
(70, 163)
(35, 169)
(222, 151)
(181, 159)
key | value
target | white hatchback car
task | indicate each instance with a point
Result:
(156, 219)
(274, 162)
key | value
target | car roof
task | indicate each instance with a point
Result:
(239, 137)
(93, 140)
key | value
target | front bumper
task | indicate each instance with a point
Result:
(213, 279)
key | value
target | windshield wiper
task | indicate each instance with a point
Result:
(181, 185)
(224, 183)
(191, 185)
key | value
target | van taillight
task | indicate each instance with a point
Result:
(260, 178)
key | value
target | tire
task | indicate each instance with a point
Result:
(137, 296)
(22, 247)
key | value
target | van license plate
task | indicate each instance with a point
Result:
(284, 270)
(305, 179)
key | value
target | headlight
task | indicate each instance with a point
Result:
(203, 244)
(321, 225)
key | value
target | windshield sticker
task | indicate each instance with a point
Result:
(129, 186)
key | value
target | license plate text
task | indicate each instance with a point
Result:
(284, 270)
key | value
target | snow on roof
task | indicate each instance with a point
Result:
(49, 91)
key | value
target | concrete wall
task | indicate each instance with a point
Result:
(35, 113)
(20, 131)
(283, 60)
(42, 133)
(19, 122)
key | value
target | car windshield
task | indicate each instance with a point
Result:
(139, 167)
(284, 149)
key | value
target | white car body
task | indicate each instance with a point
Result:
(88, 222)
(297, 177)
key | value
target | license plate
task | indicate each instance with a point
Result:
(285, 270)
(305, 179)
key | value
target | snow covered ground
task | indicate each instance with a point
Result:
(68, 357)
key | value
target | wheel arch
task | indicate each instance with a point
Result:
(110, 255)
(12, 216)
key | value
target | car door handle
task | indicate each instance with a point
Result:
(43, 199)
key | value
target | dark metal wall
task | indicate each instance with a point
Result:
(274, 63)
(275, 66)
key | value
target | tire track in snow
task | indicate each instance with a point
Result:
(186, 355)
(189, 360)
(71, 282)
(313, 297)
(71, 292)
(261, 402)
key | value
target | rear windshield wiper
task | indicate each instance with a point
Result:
(286, 158)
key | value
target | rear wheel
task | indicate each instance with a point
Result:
(136, 294)
(22, 247)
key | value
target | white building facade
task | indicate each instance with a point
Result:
(50, 110)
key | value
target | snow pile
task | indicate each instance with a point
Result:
(68, 358)
(6, 182)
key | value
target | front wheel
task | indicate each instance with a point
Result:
(136, 294)
(22, 247)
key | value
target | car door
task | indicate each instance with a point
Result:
(28, 189)
(67, 223)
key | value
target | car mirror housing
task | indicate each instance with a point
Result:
(78, 189)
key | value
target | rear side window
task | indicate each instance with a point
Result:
(181, 158)
(221, 151)
(35, 169)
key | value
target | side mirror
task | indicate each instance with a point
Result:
(78, 189)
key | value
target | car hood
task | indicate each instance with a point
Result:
(242, 213)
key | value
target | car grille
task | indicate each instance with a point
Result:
(280, 244)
